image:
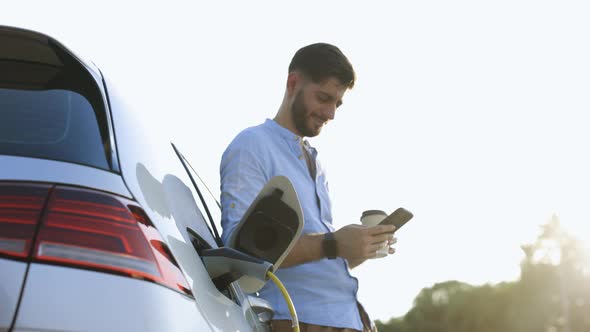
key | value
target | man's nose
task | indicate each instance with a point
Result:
(330, 112)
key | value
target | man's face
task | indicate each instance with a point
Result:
(315, 104)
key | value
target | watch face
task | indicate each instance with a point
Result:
(329, 245)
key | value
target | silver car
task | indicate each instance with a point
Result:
(101, 222)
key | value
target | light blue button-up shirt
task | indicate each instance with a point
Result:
(323, 292)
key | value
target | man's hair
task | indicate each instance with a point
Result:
(322, 61)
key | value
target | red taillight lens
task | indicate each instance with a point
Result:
(20, 209)
(86, 229)
(171, 274)
(95, 230)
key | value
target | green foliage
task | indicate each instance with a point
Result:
(552, 295)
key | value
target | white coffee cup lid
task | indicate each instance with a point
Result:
(372, 212)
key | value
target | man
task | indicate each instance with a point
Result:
(316, 271)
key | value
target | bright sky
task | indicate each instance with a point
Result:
(471, 114)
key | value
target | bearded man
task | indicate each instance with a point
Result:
(316, 271)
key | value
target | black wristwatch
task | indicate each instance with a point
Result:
(330, 246)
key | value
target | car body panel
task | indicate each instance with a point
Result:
(68, 299)
(12, 276)
(43, 170)
(159, 182)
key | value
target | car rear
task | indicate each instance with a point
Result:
(77, 252)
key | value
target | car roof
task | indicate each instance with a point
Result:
(27, 45)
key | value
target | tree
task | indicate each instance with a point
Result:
(555, 279)
(552, 295)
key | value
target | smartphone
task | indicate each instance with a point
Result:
(398, 218)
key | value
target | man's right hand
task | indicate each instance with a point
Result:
(361, 242)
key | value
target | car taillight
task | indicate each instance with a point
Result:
(20, 209)
(88, 229)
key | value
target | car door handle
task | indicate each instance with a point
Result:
(261, 308)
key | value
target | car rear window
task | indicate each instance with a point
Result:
(51, 104)
(53, 124)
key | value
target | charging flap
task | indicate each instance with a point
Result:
(269, 228)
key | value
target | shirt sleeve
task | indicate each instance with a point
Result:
(243, 175)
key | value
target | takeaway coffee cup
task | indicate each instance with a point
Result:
(373, 218)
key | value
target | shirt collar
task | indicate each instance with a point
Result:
(295, 141)
(282, 131)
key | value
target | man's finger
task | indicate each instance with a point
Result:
(371, 254)
(383, 237)
(374, 247)
(380, 229)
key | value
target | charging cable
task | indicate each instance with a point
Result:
(220, 262)
(283, 290)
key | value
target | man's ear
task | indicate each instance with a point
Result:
(293, 81)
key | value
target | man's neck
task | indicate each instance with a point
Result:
(284, 120)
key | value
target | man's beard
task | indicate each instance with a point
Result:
(300, 115)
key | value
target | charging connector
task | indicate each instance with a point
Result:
(226, 265)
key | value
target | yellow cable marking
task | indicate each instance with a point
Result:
(283, 290)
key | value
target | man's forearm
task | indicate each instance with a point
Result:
(355, 243)
(355, 262)
(308, 248)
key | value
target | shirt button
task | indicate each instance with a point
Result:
(300, 157)
(296, 138)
